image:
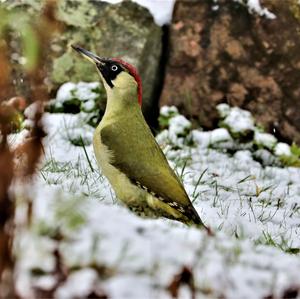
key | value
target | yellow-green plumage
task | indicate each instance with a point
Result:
(133, 162)
(128, 154)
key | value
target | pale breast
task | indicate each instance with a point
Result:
(136, 197)
(125, 190)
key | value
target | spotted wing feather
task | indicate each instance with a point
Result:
(144, 163)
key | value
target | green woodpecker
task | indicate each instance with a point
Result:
(127, 152)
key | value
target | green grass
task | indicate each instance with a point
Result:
(73, 173)
(281, 243)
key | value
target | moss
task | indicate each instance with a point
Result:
(66, 65)
(61, 67)
(292, 160)
(84, 71)
(164, 119)
(295, 149)
(294, 7)
(163, 122)
(78, 13)
(97, 25)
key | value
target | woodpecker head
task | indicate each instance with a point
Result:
(117, 75)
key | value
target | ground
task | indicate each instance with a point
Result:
(83, 242)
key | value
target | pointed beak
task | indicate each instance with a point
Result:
(88, 55)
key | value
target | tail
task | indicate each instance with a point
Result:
(195, 220)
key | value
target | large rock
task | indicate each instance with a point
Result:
(124, 30)
(219, 52)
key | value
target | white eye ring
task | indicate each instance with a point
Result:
(114, 68)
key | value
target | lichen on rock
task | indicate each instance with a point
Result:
(126, 30)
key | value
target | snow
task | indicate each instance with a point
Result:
(160, 9)
(200, 138)
(168, 111)
(105, 248)
(254, 6)
(17, 139)
(83, 91)
(282, 149)
(89, 106)
(223, 110)
(74, 286)
(31, 110)
(38, 253)
(220, 135)
(214, 137)
(45, 282)
(239, 120)
(64, 93)
(265, 140)
(215, 7)
(179, 125)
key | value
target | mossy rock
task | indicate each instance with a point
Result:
(126, 30)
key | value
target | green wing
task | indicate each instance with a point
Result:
(144, 163)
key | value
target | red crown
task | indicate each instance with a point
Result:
(133, 72)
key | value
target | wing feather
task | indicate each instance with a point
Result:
(144, 163)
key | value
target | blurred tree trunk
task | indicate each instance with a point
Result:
(6, 223)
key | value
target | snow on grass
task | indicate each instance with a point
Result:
(74, 287)
(168, 111)
(239, 121)
(255, 7)
(82, 90)
(217, 137)
(65, 92)
(85, 97)
(247, 135)
(265, 140)
(282, 149)
(105, 249)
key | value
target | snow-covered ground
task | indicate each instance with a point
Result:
(83, 242)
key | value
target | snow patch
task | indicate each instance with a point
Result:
(78, 285)
(239, 120)
(168, 111)
(282, 149)
(220, 135)
(253, 210)
(265, 140)
(161, 10)
(254, 6)
(223, 110)
(65, 91)
(179, 125)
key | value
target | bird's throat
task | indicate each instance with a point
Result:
(120, 102)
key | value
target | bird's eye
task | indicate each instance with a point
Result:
(114, 68)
